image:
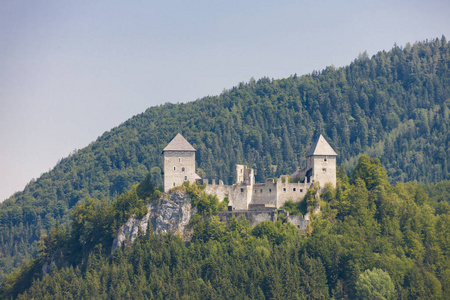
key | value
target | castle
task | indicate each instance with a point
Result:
(246, 194)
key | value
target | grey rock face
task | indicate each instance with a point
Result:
(171, 213)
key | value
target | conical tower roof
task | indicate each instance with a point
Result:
(321, 148)
(179, 143)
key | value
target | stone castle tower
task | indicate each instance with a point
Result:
(320, 164)
(179, 163)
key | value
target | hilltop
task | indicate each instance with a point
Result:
(394, 106)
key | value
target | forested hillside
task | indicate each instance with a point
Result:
(394, 106)
(372, 240)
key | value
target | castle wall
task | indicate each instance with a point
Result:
(291, 191)
(265, 193)
(220, 190)
(241, 196)
(179, 166)
(256, 217)
(300, 221)
(253, 217)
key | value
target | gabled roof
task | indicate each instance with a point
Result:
(321, 148)
(179, 143)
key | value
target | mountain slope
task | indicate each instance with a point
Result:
(371, 240)
(394, 106)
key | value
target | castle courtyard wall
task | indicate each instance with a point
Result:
(265, 193)
(291, 191)
(220, 190)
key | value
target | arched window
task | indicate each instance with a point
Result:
(183, 169)
(179, 159)
(174, 168)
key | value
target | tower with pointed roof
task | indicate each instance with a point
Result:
(321, 163)
(179, 163)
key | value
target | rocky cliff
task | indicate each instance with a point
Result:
(170, 213)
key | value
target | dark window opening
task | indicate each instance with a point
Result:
(183, 169)
(242, 190)
(293, 189)
(284, 189)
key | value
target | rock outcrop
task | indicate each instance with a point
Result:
(170, 213)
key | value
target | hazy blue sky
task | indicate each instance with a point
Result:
(70, 70)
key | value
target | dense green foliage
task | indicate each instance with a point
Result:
(94, 224)
(375, 284)
(394, 106)
(386, 240)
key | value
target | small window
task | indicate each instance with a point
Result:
(301, 190)
(325, 159)
(242, 190)
(183, 169)
(293, 189)
(270, 190)
(324, 169)
(174, 184)
(179, 159)
(284, 189)
(185, 177)
(174, 168)
(261, 190)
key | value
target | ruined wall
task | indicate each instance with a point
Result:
(301, 222)
(291, 191)
(265, 193)
(220, 190)
(239, 195)
(254, 218)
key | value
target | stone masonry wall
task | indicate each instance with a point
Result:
(179, 166)
(324, 170)
(291, 191)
